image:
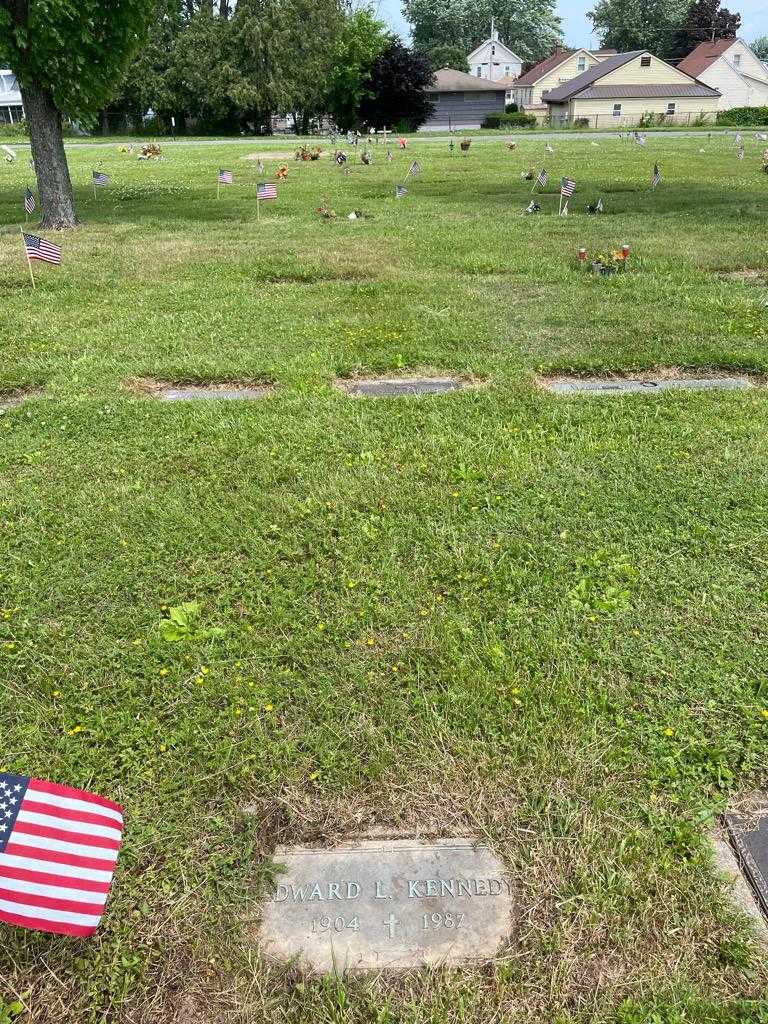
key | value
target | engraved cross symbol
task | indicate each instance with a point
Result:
(392, 923)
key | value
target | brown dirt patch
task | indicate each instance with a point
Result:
(13, 399)
(755, 274)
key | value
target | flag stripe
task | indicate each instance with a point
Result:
(63, 814)
(81, 900)
(69, 824)
(100, 857)
(31, 828)
(31, 920)
(49, 914)
(24, 874)
(56, 863)
(72, 799)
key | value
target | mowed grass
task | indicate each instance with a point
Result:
(499, 613)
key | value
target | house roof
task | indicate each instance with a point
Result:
(448, 80)
(494, 42)
(544, 67)
(591, 75)
(627, 92)
(699, 60)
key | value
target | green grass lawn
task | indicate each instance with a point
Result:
(536, 620)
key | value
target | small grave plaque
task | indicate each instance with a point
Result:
(394, 904)
(749, 837)
(395, 387)
(647, 385)
(184, 393)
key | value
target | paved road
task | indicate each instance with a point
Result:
(275, 142)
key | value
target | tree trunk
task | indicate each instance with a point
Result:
(53, 181)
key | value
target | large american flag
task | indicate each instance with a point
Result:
(266, 191)
(39, 249)
(58, 849)
(225, 177)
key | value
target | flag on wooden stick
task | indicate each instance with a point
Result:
(58, 851)
(656, 176)
(400, 191)
(567, 188)
(29, 202)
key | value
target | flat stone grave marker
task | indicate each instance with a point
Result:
(748, 834)
(646, 384)
(396, 387)
(187, 392)
(387, 904)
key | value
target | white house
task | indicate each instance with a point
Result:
(729, 66)
(493, 59)
(11, 109)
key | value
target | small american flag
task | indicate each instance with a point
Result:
(29, 201)
(266, 191)
(58, 850)
(225, 177)
(415, 168)
(656, 176)
(542, 178)
(738, 139)
(400, 191)
(99, 178)
(567, 187)
(741, 153)
(390, 158)
(39, 249)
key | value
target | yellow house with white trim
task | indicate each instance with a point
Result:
(624, 88)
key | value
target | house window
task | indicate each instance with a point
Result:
(645, 62)
(507, 69)
(737, 60)
(493, 51)
(617, 110)
(671, 107)
(479, 71)
(582, 64)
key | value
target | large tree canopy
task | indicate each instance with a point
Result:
(362, 38)
(629, 25)
(530, 27)
(760, 47)
(704, 20)
(396, 93)
(67, 55)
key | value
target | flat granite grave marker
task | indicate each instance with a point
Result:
(387, 904)
(648, 384)
(187, 392)
(748, 834)
(397, 387)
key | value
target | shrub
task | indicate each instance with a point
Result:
(581, 122)
(513, 120)
(743, 115)
(14, 131)
(511, 108)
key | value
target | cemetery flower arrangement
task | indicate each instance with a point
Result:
(308, 153)
(609, 261)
